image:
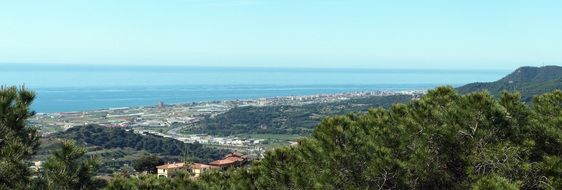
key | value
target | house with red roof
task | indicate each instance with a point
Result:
(230, 160)
(197, 169)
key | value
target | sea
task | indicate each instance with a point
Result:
(68, 88)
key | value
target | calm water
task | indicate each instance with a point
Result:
(63, 88)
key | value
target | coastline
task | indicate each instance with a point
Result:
(87, 100)
(164, 115)
(349, 93)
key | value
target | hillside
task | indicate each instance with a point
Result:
(530, 81)
(116, 146)
(106, 138)
(299, 120)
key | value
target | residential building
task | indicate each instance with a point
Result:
(197, 169)
(230, 160)
(169, 170)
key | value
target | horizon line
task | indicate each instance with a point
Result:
(107, 66)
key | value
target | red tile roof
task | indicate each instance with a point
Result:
(229, 159)
(222, 162)
(236, 159)
(201, 166)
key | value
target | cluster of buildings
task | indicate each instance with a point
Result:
(204, 139)
(224, 141)
(151, 116)
(196, 169)
(332, 97)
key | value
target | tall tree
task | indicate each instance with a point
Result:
(67, 169)
(18, 142)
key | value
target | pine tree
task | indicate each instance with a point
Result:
(67, 169)
(18, 142)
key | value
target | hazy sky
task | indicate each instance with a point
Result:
(495, 34)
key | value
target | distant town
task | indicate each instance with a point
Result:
(167, 120)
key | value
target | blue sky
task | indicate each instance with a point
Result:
(489, 34)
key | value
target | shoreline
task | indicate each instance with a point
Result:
(390, 92)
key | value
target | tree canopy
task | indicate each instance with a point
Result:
(147, 163)
(67, 169)
(18, 142)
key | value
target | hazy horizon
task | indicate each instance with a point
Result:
(129, 52)
(87, 87)
(67, 75)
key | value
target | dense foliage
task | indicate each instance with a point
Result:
(17, 141)
(93, 135)
(287, 119)
(442, 141)
(529, 81)
(147, 164)
(152, 182)
(67, 169)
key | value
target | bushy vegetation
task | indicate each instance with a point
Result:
(152, 182)
(94, 135)
(285, 119)
(442, 141)
(68, 169)
(147, 164)
(18, 143)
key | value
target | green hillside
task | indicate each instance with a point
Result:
(299, 120)
(116, 146)
(108, 138)
(530, 81)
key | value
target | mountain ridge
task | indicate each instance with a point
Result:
(529, 81)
